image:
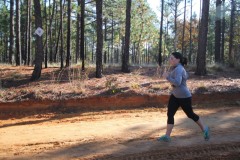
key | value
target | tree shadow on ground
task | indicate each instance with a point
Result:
(180, 145)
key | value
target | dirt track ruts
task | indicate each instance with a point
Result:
(226, 151)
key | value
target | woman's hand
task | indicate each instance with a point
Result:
(165, 74)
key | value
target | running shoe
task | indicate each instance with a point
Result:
(206, 134)
(164, 138)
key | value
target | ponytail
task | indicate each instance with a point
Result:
(183, 60)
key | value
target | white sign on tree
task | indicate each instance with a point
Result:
(39, 31)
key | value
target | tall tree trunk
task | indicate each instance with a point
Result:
(105, 40)
(5, 48)
(138, 55)
(184, 26)
(18, 34)
(69, 35)
(58, 35)
(202, 40)
(218, 31)
(99, 39)
(61, 33)
(160, 39)
(82, 33)
(27, 33)
(125, 63)
(112, 53)
(46, 46)
(78, 33)
(232, 19)
(39, 43)
(223, 31)
(190, 46)
(29, 56)
(92, 48)
(11, 38)
(50, 30)
(200, 11)
(175, 26)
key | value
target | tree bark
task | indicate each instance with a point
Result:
(231, 37)
(160, 38)
(190, 32)
(78, 33)
(218, 31)
(50, 30)
(27, 33)
(202, 40)
(82, 34)
(39, 43)
(125, 63)
(11, 38)
(46, 46)
(18, 34)
(175, 26)
(223, 32)
(99, 39)
(184, 26)
(29, 56)
(68, 59)
(61, 33)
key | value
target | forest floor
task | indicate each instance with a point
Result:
(123, 133)
(56, 84)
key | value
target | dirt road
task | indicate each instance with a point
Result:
(122, 134)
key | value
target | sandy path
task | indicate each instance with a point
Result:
(125, 134)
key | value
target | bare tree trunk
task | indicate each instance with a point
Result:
(218, 31)
(29, 56)
(125, 63)
(202, 40)
(46, 46)
(223, 32)
(99, 39)
(61, 33)
(160, 38)
(50, 30)
(231, 54)
(93, 48)
(27, 33)
(78, 33)
(58, 35)
(175, 26)
(4, 42)
(68, 59)
(18, 34)
(105, 40)
(82, 33)
(184, 26)
(112, 53)
(190, 46)
(138, 55)
(39, 44)
(11, 38)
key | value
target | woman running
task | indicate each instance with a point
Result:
(180, 96)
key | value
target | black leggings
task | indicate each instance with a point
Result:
(185, 103)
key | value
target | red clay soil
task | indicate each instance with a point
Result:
(97, 103)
